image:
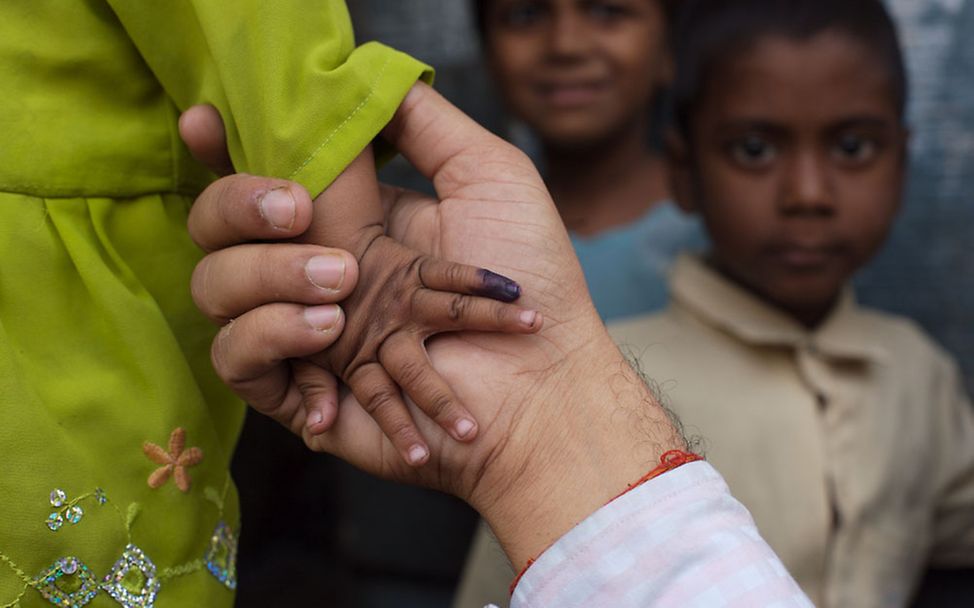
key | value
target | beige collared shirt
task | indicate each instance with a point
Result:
(852, 445)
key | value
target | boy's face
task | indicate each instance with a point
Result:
(796, 164)
(577, 70)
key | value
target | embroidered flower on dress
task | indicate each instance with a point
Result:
(173, 463)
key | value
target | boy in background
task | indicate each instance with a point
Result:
(790, 143)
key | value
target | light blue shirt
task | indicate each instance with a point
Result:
(626, 268)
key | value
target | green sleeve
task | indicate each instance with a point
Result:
(298, 99)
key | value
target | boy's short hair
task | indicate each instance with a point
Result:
(709, 33)
(480, 8)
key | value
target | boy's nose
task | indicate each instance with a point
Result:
(568, 37)
(808, 188)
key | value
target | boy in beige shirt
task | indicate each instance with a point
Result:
(845, 431)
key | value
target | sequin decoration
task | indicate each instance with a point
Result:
(221, 556)
(67, 583)
(58, 498)
(69, 510)
(133, 582)
(55, 521)
(74, 514)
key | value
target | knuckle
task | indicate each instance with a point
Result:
(264, 271)
(381, 400)
(198, 287)
(456, 275)
(401, 430)
(502, 313)
(203, 293)
(219, 355)
(438, 405)
(411, 374)
(459, 308)
(226, 197)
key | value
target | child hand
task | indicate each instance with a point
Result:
(404, 297)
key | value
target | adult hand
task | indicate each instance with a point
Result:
(248, 287)
(565, 423)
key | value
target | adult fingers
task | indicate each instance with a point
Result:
(249, 354)
(241, 208)
(201, 128)
(229, 282)
(431, 133)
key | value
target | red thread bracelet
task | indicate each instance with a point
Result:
(667, 462)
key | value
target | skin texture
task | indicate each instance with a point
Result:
(407, 297)
(404, 297)
(583, 75)
(565, 422)
(796, 163)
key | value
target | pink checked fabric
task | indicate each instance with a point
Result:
(680, 540)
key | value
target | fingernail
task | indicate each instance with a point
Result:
(277, 207)
(417, 454)
(322, 318)
(528, 317)
(326, 271)
(499, 287)
(464, 428)
(315, 418)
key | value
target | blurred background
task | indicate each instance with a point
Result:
(317, 532)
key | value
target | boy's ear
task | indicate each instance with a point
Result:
(681, 182)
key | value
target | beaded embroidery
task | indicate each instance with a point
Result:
(221, 556)
(69, 511)
(67, 583)
(133, 582)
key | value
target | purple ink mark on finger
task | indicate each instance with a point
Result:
(498, 287)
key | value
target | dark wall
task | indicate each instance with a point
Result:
(927, 270)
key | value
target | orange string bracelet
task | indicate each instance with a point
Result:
(667, 462)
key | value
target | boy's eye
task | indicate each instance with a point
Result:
(606, 11)
(855, 149)
(752, 152)
(523, 14)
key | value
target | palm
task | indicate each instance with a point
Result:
(498, 216)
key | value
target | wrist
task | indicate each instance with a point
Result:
(591, 427)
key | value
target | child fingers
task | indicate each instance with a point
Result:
(441, 311)
(460, 278)
(381, 399)
(405, 359)
(319, 395)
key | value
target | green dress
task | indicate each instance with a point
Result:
(115, 433)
